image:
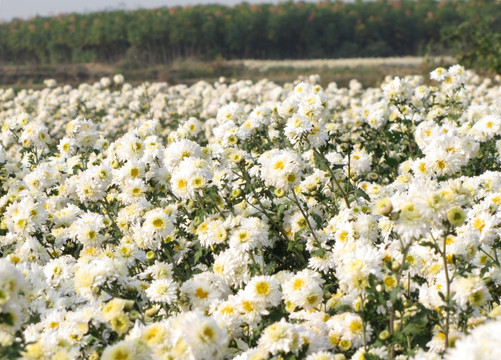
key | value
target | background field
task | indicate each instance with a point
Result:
(204, 42)
(370, 71)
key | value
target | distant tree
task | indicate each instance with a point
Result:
(477, 41)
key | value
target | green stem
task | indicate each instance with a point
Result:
(364, 324)
(261, 272)
(305, 217)
(348, 181)
(345, 197)
(448, 297)
(405, 250)
(443, 254)
(496, 260)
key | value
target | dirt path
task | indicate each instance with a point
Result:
(406, 61)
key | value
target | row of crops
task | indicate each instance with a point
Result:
(251, 220)
(288, 30)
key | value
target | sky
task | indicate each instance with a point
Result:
(25, 9)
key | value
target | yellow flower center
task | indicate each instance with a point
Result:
(158, 223)
(279, 165)
(297, 284)
(262, 288)
(201, 293)
(181, 184)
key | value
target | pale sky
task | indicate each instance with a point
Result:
(10, 9)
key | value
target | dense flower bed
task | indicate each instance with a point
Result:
(252, 221)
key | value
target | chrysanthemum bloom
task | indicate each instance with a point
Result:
(470, 291)
(180, 150)
(202, 289)
(200, 336)
(281, 168)
(126, 350)
(11, 281)
(304, 289)
(280, 337)
(162, 290)
(157, 223)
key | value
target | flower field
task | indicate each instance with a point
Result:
(252, 220)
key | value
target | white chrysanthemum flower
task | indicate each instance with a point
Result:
(281, 168)
(251, 354)
(88, 189)
(346, 331)
(233, 267)
(59, 270)
(487, 127)
(321, 355)
(118, 79)
(438, 74)
(264, 288)
(297, 126)
(162, 290)
(231, 112)
(87, 229)
(251, 233)
(202, 289)
(11, 281)
(129, 171)
(360, 162)
(25, 216)
(323, 263)
(35, 134)
(280, 337)
(133, 191)
(84, 132)
(397, 89)
(212, 232)
(484, 226)
(355, 264)
(157, 224)
(201, 337)
(287, 108)
(411, 222)
(180, 150)
(470, 291)
(304, 289)
(126, 350)
(129, 148)
(227, 315)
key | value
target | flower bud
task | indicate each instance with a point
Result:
(384, 335)
(456, 216)
(384, 207)
(134, 315)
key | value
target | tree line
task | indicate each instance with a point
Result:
(326, 29)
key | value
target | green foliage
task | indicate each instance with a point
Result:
(477, 41)
(332, 29)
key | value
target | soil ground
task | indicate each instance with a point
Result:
(370, 71)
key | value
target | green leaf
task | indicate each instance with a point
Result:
(320, 162)
(6, 318)
(319, 253)
(318, 219)
(412, 329)
(360, 192)
(280, 210)
(394, 294)
(337, 166)
(198, 255)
